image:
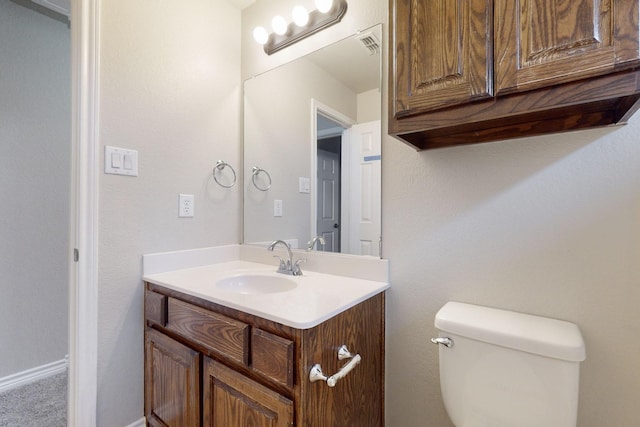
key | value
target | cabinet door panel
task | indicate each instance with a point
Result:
(172, 382)
(442, 54)
(231, 399)
(540, 43)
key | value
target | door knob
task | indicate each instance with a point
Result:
(335, 226)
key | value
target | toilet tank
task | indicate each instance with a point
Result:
(508, 369)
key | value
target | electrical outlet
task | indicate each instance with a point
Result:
(185, 208)
(277, 208)
(304, 185)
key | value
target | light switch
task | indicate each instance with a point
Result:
(116, 160)
(127, 164)
(120, 161)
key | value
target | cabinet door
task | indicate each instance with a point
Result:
(441, 54)
(232, 400)
(172, 382)
(540, 43)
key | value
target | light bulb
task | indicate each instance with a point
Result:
(279, 25)
(300, 16)
(260, 35)
(324, 6)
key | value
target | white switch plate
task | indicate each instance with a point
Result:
(120, 161)
(185, 208)
(277, 208)
(304, 185)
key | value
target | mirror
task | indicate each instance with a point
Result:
(312, 149)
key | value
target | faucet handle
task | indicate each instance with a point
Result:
(283, 264)
(295, 268)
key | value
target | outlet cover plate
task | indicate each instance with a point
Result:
(186, 208)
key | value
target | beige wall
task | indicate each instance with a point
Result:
(547, 225)
(170, 88)
(35, 148)
(277, 137)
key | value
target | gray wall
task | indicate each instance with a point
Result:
(547, 225)
(169, 88)
(35, 144)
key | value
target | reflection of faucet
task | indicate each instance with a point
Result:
(313, 241)
(288, 267)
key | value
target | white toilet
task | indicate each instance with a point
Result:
(500, 368)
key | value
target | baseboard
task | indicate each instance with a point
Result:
(142, 422)
(31, 375)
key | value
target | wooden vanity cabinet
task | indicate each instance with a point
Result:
(473, 71)
(209, 365)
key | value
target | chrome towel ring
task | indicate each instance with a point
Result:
(220, 165)
(254, 175)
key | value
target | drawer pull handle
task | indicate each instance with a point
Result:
(316, 373)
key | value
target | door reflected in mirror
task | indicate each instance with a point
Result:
(314, 126)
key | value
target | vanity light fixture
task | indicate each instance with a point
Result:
(327, 13)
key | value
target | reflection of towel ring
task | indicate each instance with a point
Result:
(254, 174)
(220, 165)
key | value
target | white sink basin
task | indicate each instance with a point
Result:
(256, 284)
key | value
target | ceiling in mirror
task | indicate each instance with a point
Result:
(312, 127)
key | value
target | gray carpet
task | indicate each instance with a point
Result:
(39, 404)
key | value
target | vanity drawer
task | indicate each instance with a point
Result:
(272, 356)
(217, 333)
(155, 308)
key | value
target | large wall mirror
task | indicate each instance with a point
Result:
(312, 150)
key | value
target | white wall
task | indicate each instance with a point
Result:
(547, 225)
(170, 88)
(35, 144)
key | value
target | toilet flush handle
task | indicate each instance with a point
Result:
(447, 342)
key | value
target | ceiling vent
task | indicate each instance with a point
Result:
(369, 42)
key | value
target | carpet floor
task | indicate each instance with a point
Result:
(39, 404)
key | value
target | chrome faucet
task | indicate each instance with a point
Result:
(287, 267)
(313, 241)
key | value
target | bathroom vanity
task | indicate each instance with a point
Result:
(217, 355)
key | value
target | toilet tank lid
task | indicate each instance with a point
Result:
(525, 332)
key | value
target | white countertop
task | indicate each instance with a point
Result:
(316, 298)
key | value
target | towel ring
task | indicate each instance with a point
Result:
(220, 165)
(254, 174)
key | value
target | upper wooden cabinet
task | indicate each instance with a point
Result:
(468, 71)
(543, 42)
(443, 54)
